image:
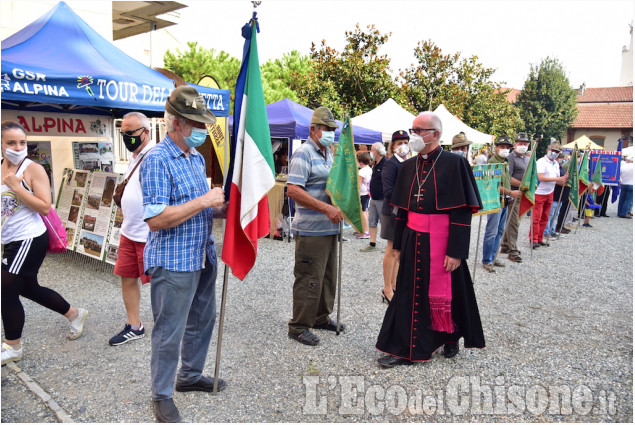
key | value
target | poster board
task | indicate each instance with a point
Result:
(93, 156)
(488, 180)
(89, 213)
(40, 153)
(610, 163)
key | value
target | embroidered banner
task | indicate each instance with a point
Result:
(488, 180)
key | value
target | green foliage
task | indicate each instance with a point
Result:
(355, 80)
(547, 103)
(197, 62)
(464, 86)
(280, 76)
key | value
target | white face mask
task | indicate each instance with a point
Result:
(504, 153)
(416, 143)
(403, 150)
(522, 149)
(15, 157)
(460, 153)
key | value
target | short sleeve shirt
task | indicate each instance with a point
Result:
(309, 169)
(549, 169)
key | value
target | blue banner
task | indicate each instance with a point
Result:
(610, 163)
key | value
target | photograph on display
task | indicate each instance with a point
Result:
(111, 253)
(73, 213)
(70, 234)
(91, 243)
(93, 202)
(77, 197)
(40, 153)
(118, 218)
(109, 189)
(80, 178)
(93, 156)
(89, 223)
(68, 173)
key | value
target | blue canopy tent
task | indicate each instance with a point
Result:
(290, 119)
(58, 63)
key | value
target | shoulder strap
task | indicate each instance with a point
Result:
(135, 167)
(26, 162)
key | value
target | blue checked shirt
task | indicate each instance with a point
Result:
(310, 169)
(169, 177)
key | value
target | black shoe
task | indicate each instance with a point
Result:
(515, 258)
(128, 334)
(565, 231)
(391, 361)
(535, 245)
(331, 325)
(541, 243)
(450, 350)
(205, 384)
(604, 215)
(625, 216)
(586, 225)
(165, 411)
(307, 337)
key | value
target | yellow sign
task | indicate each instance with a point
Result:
(217, 131)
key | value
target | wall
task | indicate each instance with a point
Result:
(611, 136)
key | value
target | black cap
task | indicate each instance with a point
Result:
(502, 140)
(522, 137)
(400, 134)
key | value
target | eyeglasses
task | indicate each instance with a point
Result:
(132, 133)
(420, 130)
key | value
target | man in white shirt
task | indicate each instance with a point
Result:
(135, 133)
(548, 174)
(626, 192)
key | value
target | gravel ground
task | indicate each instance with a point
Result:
(558, 329)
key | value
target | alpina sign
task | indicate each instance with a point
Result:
(87, 90)
(52, 124)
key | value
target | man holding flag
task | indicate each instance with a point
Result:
(548, 171)
(316, 229)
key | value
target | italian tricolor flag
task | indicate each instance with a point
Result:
(251, 168)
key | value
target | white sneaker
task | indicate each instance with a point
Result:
(9, 354)
(77, 325)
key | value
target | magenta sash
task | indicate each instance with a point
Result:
(440, 288)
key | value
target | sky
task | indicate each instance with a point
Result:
(508, 35)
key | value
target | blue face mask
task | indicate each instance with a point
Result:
(197, 138)
(327, 139)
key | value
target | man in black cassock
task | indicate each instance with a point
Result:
(434, 304)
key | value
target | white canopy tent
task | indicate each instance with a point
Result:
(387, 118)
(453, 126)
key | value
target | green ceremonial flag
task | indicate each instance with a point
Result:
(573, 182)
(596, 178)
(343, 183)
(528, 186)
(583, 174)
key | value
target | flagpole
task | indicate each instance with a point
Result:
(531, 240)
(220, 327)
(339, 278)
(478, 238)
(509, 210)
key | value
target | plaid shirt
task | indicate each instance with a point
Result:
(169, 177)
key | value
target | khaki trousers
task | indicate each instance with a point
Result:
(315, 283)
(511, 235)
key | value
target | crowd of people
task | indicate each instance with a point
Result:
(421, 195)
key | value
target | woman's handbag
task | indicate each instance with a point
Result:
(57, 233)
(122, 186)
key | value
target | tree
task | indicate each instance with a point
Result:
(280, 76)
(195, 63)
(355, 80)
(463, 86)
(547, 103)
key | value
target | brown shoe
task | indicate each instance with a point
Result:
(515, 258)
(499, 263)
(489, 267)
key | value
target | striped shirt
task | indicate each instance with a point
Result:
(169, 177)
(310, 169)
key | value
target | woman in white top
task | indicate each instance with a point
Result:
(26, 193)
(364, 175)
